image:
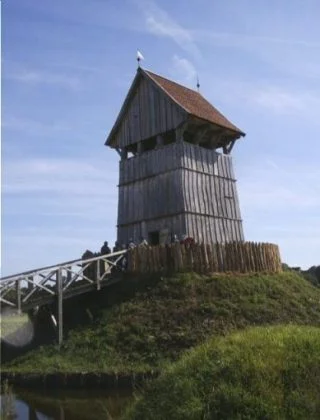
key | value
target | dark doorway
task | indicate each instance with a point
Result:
(154, 238)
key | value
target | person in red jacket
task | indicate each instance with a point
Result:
(186, 240)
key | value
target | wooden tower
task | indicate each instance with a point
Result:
(173, 180)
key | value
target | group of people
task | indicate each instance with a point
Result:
(122, 264)
(185, 240)
(105, 249)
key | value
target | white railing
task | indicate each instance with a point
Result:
(21, 289)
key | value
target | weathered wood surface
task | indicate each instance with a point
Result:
(183, 187)
(149, 113)
(173, 156)
(240, 257)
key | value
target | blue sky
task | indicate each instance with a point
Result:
(66, 67)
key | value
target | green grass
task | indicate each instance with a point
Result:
(260, 373)
(144, 323)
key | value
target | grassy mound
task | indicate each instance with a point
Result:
(143, 323)
(260, 373)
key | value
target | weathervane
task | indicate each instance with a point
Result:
(139, 57)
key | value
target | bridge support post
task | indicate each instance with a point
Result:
(98, 274)
(60, 305)
(18, 296)
(30, 285)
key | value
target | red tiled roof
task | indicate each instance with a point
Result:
(193, 102)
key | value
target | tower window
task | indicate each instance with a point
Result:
(149, 144)
(132, 150)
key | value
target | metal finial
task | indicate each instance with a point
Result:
(198, 84)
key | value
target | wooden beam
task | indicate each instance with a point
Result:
(60, 305)
(179, 132)
(31, 284)
(124, 154)
(230, 147)
(18, 295)
(98, 274)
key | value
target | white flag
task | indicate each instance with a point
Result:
(139, 56)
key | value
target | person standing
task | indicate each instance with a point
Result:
(116, 247)
(105, 248)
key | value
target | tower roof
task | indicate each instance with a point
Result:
(192, 102)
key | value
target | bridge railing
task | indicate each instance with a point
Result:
(20, 289)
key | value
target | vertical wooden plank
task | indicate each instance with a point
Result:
(209, 258)
(251, 256)
(205, 259)
(18, 296)
(59, 291)
(98, 273)
(231, 255)
(201, 258)
(254, 252)
(214, 258)
(246, 263)
(236, 258)
(219, 256)
(241, 250)
(212, 197)
(187, 190)
(271, 257)
(226, 257)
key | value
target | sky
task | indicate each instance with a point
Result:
(66, 68)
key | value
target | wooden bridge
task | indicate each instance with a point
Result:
(55, 283)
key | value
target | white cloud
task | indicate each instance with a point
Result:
(66, 205)
(183, 70)
(60, 176)
(280, 203)
(285, 102)
(280, 100)
(278, 185)
(32, 127)
(290, 55)
(158, 22)
(240, 39)
(36, 77)
(27, 250)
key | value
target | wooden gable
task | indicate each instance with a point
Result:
(147, 111)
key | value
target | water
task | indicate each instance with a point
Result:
(70, 405)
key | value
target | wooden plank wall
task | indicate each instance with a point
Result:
(210, 196)
(175, 223)
(179, 181)
(150, 112)
(151, 163)
(241, 257)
